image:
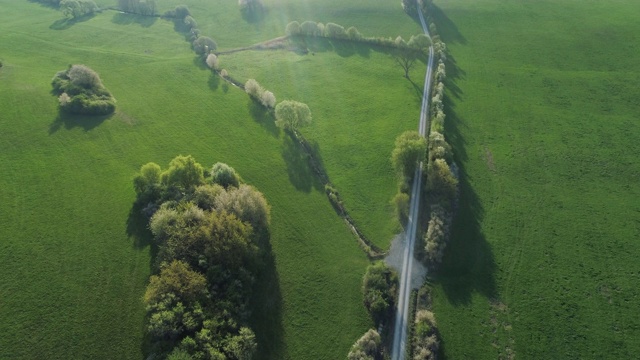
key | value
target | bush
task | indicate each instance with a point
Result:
(179, 12)
(205, 195)
(178, 279)
(441, 182)
(420, 42)
(224, 73)
(334, 31)
(212, 61)
(426, 343)
(410, 149)
(309, 28)
(80, 91)
(401, 206)
(353, 33)
(436, 236)
(142, 7)
(203, 45)
(253, 88)
(184, 173)
(247, 203)
(268, 99)
(367, 347)
(291, 115)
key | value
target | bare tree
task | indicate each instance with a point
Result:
(405, 59)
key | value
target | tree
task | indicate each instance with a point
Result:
(268, 99)
(334, 31)
(291, 115)
(247, 203)
(242, 346)
(224, 175)
(203, 45)
(148, 178)
(353, 33)
(367, 347)
(309, 28)
(176, 278)
(405, 58)
(81, 75)
(212, 61)
(183, 173)
(78, 8)
(205, 195)
(379, 290)
(253, 88)
(441, 181)
(410, 149)
(293, 28)
(401, 206)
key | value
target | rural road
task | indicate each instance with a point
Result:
(402, 312)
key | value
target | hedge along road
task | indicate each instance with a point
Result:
(399, 348)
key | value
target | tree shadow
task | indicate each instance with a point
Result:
(446, 28)
(45, 4)
(343, 48)
(264, 117)
(121, 18)
(214, 81)
(266, 306)
(137, 227)
(301, 174)
(254, 15)
(468, 265)
(65, 23)
(199, 61)
(70, 121)
(453, 73)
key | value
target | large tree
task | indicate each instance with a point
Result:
(291, 115)
(410, 150)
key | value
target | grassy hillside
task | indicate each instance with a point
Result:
(542, 112)
(73, 270)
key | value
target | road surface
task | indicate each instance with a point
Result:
(402, 312)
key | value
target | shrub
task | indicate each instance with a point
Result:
(440, 181)
(190, 22)
(293, 28)
(224, 175)
(440, 72)
(253, 88)
(250, 5)
(436, 236)
(426, 343)
(353, 33)
(410, 149)
(309, 28)
(268, 99)
(179, 12)
(212, 61)
(334, 31)
(420, 42)
(81, 75)
(438, 147)
(176, 278)
(224, 73)
(367, 347)
(204, 45)
(247, 203)
(401, 205)
(205, 195)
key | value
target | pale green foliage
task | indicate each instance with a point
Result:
(309, 28)
(242, 346)
(293, 28)
(438, 147)
(212, 61)
(399, 42)
(353, 33)
(441, 74)
(426, 343)
(436, 236)
(178, 279)
(205, 195)
(440, 180)
(247, 203)
(224, 175)
(410, 149)
(291, 115)
(367, 347)
(268, 99)
(419, 42)
(148, 177)
(184, 173)
(334, 31)
(253, 88)
(224, 73)
(162, 221)
(81, 75)
(401, 206)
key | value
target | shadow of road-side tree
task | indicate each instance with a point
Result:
(446, 28)
(65, 23)
(264, 117)
(301, 174)
(266, 307)
(70, 121)
(468, 265)
(128, 19)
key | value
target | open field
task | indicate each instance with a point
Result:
(73, 271)
(542, 112)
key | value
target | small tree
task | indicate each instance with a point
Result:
(204, 45)
(78, 8)
(367, 347)
(353, 33)
(291, 115)
(212, 61)
(293, 28)
(224, 175)
(253, 88)
(268, 99)
(183, 173)
(334, 31)
(410, 149)
(405, 58)
(309, 28)
(176, 278)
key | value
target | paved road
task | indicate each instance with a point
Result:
(404, 295)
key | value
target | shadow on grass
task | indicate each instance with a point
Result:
(214, 81)
(70, 121)
(254, 15)
(266, 307)
(128, 19)
(301, 174)
(264, 117)
(446, 28)
(65, 23)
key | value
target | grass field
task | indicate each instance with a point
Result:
(542, 112)
(73, 270)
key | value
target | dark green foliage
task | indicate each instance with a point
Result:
(184, 173)
(81, 91)
(203, 45)
(179, 12)
(78, 8)
(224, 175)
(379, 289)
(410, 149)
(142, 7)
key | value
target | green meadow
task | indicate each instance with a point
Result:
(75, 259)
(542, 105)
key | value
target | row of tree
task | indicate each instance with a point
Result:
(80, 91)
(211, 231)
(78, 8)
(260, 94)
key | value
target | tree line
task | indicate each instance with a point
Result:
(211, 231)
(80, 91)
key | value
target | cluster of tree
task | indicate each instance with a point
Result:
(368, 347)
(410, 150)
(411, 6)
(201, 45)
(258, 93)
(80, 91)
(417, 43)
(379, 287)
(442, 183)
(425, 340)
(291, 115)
(142, 7)
(78, 8)
(210, 230)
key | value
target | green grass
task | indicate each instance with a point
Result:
(73, 268)
(542, 109)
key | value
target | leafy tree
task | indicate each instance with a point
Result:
(84, 91)
(183, 173)
(81, 75)
(203, 45)
(367, 347)
(353, 33)
(309, 28)
(410, 149)
(426, 343)
(247, 203)
(441, 181)
(148, 179)
(267, 99)
(224, 175)
(420, 42)
(242, 346)
(179, 12)
(291, 115)
(334, 31)
(78, 8)
(205, 195)
(405, 59)
(293, 28)
(379, 289)
(253, 88)
(176, 278)
(212, 61)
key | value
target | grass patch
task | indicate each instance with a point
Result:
(541, 114)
